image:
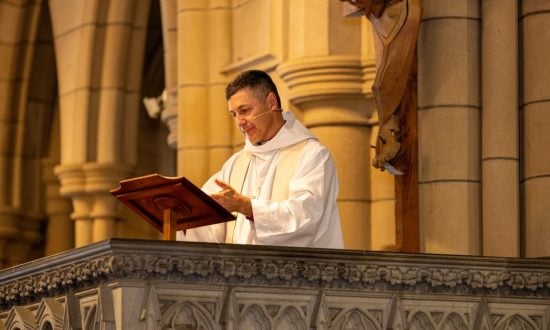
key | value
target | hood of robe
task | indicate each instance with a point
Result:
(291, 133)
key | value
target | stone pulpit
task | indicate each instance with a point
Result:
(140, 284)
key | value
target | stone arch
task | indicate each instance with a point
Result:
(20, 318)
(516, 322)
(454, 322)
(420, 321)
(70, 80)
(151, 311)
(38, 112)
(355, 319)
(43, 105)
(50, 312)
(149, 142)
(186, 315)
(254, 317)
(46, 326)
(28, 89)
(290, 319)
(106, 50)
(154, 150)
(90, 317)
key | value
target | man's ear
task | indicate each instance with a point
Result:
(272, 101)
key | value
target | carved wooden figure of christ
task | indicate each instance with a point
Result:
(396, 24)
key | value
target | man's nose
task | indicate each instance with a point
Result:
(241, 120)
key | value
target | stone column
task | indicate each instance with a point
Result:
(535, 18)
(168, 9)
(8, 230)
(449, 140)
(500, 128)
(60, 228)
(100, 179)
(29, 235)
(125, 31)
(100, 77)
(75, 35)
(127, 316)
(18, 27)
(73, 184)
(8, 215)
(192, 90)
(220, 124)
(329, 93)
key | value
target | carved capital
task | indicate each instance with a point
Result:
(331, 90)
(323, 77)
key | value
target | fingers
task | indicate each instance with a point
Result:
(218, 195)
(223, 185)
(231, 200)
(226, 190)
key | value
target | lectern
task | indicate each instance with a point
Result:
(170, 203)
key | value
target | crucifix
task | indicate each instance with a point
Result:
(395, 25)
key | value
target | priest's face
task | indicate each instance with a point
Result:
(255, 114)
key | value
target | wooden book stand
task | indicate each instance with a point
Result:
(170, 204)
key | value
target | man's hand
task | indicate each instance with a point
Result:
(232, 201)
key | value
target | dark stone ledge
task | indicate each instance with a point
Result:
(246, 265)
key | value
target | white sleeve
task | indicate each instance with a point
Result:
(305, 215)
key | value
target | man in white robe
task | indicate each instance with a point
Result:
(282, 186)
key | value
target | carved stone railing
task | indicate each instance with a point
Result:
(133, 284)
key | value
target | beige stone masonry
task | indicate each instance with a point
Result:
(60, 228)
(536, 120)
(455, 227)
(193, 133)
(536, 68)
(8, 231)
(441, 9)
(449, 138)
(99, 78)
(12, 25)
(118, 99)
(8, 62)
(192, 91)
(500, 129)
(449, 128)
(220, 129)
(536, 217)
(69, 16)
(445, 50)
(73, 183)
(251, 25)
(19, 134)
(220, 124)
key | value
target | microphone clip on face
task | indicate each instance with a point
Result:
(242, 128)
(265, 113)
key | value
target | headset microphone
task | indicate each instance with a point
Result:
(261, 114)
(241, 128)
